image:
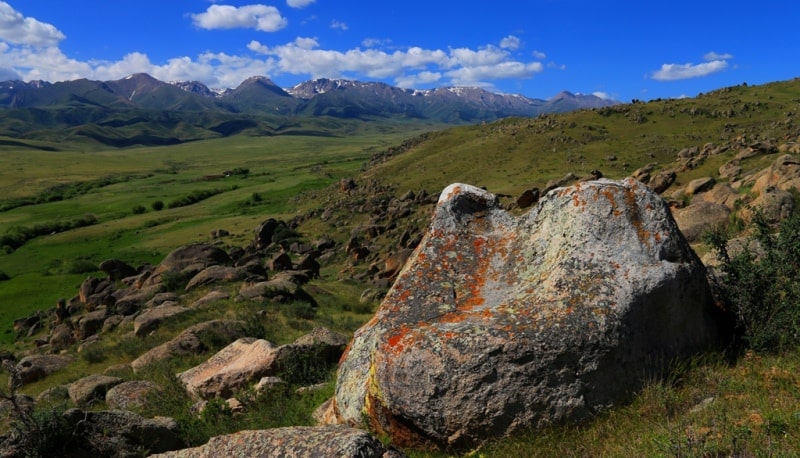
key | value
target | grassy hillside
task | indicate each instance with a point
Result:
(109, 184)
(710, 407)
(514, 154)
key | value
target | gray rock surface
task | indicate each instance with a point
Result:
(91, 388)
(150, 319)
(299, 441)
(499, 323)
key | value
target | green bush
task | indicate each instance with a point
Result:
(762, 288)
(139, 209)
(158, 205)
(4, 276)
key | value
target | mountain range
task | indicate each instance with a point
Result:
(36, 107)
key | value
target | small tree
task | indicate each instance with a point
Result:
(762, 288)
(158, 205)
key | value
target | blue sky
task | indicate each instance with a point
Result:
(617, 49)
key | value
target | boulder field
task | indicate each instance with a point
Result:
(500, 322)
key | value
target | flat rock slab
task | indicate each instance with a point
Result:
(244, 361)
(299, 441)
(498, 323)
(150, 319)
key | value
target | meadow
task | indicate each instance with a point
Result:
(55, 183)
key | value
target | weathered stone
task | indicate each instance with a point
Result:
(190, 341)
(116, 269)
(119, 433)
(91, 388)
(234, 367)
(36, 367)
(211, 297)
(187, 260)
(662, 181)
(91, 323)
(280, 261)
(501, 323)
(784, 174)
(774, 204)
(150, 319)
(724, 194)
(298, 441)
(528, 198)
(282, 287)
(216, 274)
(161, 298)
(700, 185)
(62, 337)
(130, 395)
(699, 217)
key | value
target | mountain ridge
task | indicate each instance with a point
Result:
(132, 110)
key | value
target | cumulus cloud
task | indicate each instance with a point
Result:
(510, 42)
(711, 56)
(539, 55)
(338, 25)
(299, 3)
(20, 30)
(259, 17)
(602, 95)
(714, 63)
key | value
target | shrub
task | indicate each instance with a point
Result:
(763, 289)
(157, 205)
(4, 276)
(139, 209)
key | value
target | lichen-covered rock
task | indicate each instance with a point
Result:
(306, 441)
(499, 323)
(36, 367)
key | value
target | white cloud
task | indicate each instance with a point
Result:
(421, 78)
(602, 95)
(672, 72)
(539, 55)
(338, 25)
(17, 29)
(510, 42)
(299, 3)
(260, 17)
(375, 42)
(714, 63)
(711, 56)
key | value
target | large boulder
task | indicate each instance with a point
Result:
(130, 395)
(499, 323)
(699, 217)
(297, 441)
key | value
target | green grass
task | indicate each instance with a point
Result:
(280, 167)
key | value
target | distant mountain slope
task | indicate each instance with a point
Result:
(138, 103)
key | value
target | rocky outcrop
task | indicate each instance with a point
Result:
(299, 441)
(699, 217)
(500, 323)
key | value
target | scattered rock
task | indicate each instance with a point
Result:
(36, 367)
(91, 388)
(700, 185)
(232, 368)
(130, 395)
(150, 319)
(190, 341)
(117, 270)
(298, 441)
(701, 216)
(216, 274)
